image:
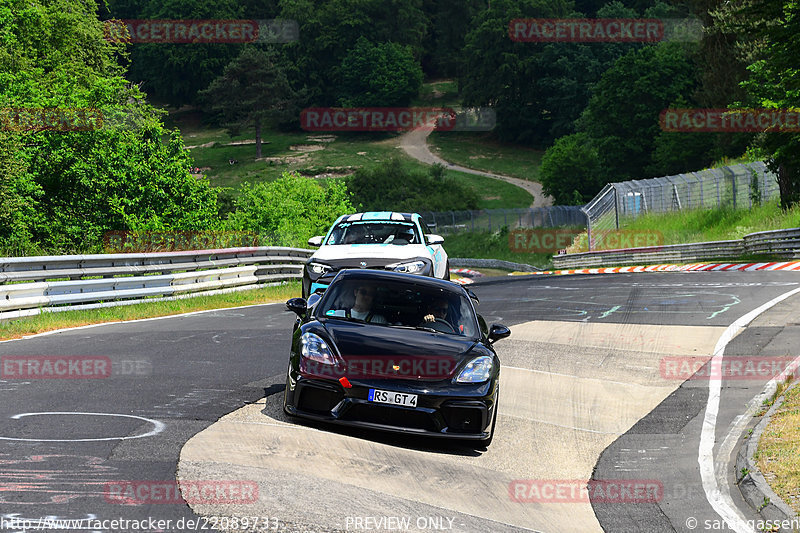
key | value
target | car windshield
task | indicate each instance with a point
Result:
(383, 232)
(400, 304)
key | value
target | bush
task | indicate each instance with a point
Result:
(392, 187)
(571, 170)
(289, 210)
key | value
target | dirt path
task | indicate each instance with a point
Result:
(415, 144)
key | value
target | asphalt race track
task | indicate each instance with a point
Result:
(587, 392)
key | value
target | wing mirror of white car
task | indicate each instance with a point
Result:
(434, 239)
(316, 241)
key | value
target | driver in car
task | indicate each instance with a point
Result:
(437, 309)
(362, 308)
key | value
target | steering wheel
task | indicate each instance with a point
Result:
(443, 322)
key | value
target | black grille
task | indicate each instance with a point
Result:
(316, 400)
(464, 419)
(390, 416)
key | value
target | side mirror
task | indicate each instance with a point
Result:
(473, 296)
(497, 332)
(316, 241)
(297, 306)
(434, 239)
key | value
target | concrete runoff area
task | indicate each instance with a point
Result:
(567, 391)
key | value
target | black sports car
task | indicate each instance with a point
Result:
(396, 352)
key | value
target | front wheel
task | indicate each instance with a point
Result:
(447, 271)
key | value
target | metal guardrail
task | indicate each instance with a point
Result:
(46, 282)
(783, 243)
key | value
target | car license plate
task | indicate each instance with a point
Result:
(394, 398)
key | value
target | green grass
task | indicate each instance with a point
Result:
(481, 152)
(486, 245)
(343, 155)
(493, 193)
(714, 224)
(777, 455)
(66, 319)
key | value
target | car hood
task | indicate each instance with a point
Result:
(376, 351)
(387, 253)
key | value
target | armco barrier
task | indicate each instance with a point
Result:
(783, 243)
(32, 283)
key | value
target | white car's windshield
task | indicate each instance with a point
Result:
(400, 304)
(383, 232)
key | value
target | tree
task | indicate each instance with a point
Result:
(449, 23)
(383, 75)
(66, 188)
(571, 171)
(252, 91)
(536, 89)
(328, 29)
(622, 115)
(173, 72)
(767, 40)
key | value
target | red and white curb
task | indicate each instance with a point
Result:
(694, 267)
(465, 272)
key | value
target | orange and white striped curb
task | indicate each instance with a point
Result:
(693, 267)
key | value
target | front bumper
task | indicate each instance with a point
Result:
(463, 411)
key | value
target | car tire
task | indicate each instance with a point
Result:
(286, 397)
(447, 271)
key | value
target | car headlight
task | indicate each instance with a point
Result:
(407, 268)
(315, 348)
(476, 371)
(319, 268)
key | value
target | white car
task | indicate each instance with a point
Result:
(383, 240)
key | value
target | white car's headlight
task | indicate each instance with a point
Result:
(477, 370)
(315, 348)
(319, 268)
(408, 268)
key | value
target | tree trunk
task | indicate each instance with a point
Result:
(788, 185)
(258, 139)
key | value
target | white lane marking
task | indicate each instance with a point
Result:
(135, 320)
(722, 502)
(158, 427)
